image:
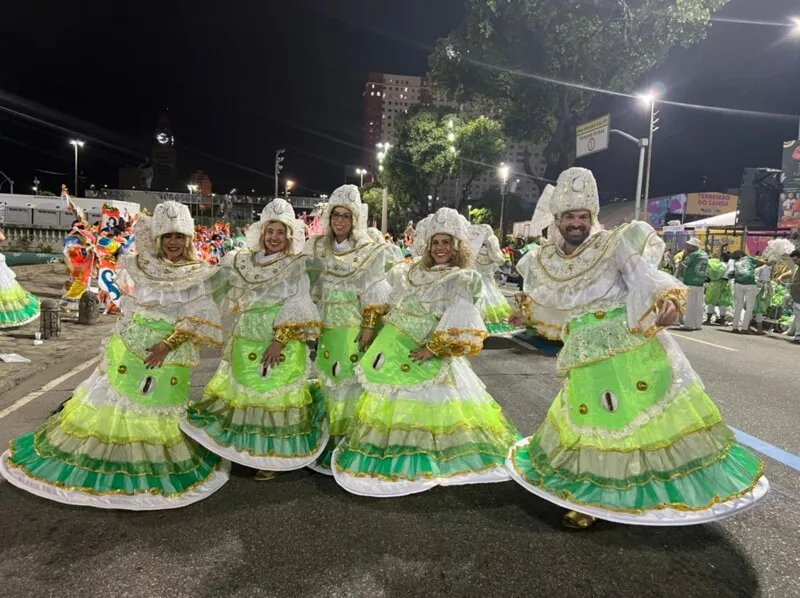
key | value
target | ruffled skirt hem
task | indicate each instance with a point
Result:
(518, 464)
(144, 501)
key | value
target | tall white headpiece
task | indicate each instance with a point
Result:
(576, 189)
(446, 221)
(348, 197)
(278, 210)
(777, 250)
(172, 217)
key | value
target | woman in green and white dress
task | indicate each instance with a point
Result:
(117, 444)
(259, 409)
(424, 418)
(348, 274)
(17, 306)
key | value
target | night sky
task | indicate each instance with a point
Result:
(241, 79)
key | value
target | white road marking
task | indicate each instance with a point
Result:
(510, 336)
(697, 340)
(46, 388)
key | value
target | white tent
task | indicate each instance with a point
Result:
(718, 221)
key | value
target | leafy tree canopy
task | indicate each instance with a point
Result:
(534, 62)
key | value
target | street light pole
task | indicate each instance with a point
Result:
(503, 172)
(383, 149)
(76, 143)
(642, 144)
(650, 148)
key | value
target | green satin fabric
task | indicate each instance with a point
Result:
(636, 380)
(246, 356)
(168, 385)
(387, 361)
(338, 352)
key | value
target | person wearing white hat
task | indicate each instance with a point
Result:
(632, 437)
(348, 273)
(488, 259)
(259, 409)
(424, 418)
(117, 443)
(694, 267)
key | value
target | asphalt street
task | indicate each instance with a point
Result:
(300, 535)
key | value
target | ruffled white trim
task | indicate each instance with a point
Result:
(683, 376)
(136, 502)
(389, 389)
(268, 463)
(379, 488)
(655, 517)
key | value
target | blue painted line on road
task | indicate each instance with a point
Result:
(767, 449)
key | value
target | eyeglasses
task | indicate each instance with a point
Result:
(341, 216)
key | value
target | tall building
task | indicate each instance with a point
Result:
(164, 159)
(385, 98)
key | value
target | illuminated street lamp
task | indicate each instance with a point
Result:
(502, 173)
(383, 150)
(362, 172)
(76, 143)
(289, 187)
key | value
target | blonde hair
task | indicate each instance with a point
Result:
(189, 251)
(289, 236)
(462, 254)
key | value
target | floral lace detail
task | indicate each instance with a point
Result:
(244, 264)
(413, 319)
(161, 275)
(443, 377)
(138, 338)
(604, 339)
(683, 376)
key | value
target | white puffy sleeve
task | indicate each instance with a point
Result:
(198, 316)
(461, 330)
(299, 318)
(376, 291)
(126, 287)
(638, 255)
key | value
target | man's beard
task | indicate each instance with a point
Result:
(569, 234)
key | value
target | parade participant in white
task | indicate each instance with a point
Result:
(348, 275)
(259, 409)
(117, 444)
(425, 419)
(632, 437)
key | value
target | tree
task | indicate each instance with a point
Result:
(480, 216)
(372, 195)
(479, 146)
(535, 61)
(434, 144)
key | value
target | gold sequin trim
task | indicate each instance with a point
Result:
(373, 313)
(402, 476)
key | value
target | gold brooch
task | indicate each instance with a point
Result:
(583, 409)
(405, 367)
(252, 357)
(641, 385)
(122, 369)
(173, 381)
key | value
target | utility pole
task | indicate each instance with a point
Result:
(278, 167)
